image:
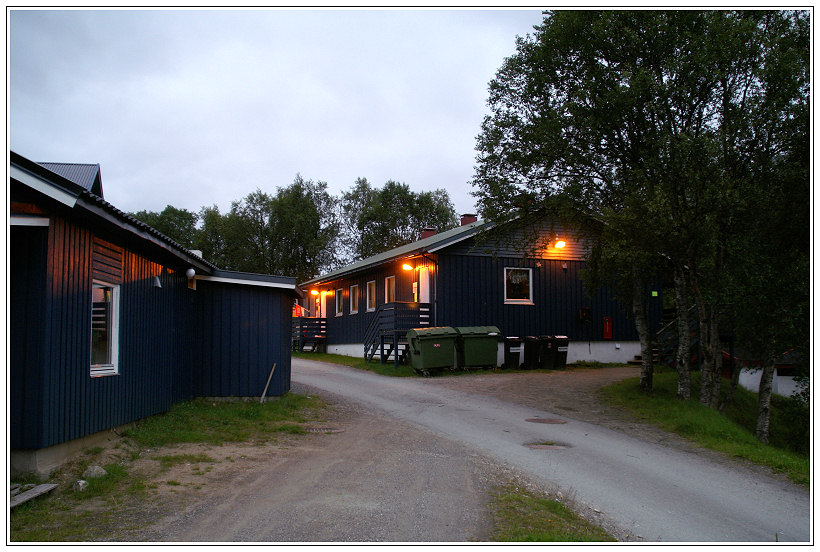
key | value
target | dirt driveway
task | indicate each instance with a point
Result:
(373, 479)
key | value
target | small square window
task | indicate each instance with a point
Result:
(518, 286)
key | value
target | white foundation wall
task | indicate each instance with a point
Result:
(590, 351)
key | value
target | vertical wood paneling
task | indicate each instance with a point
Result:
(248, 332)
(472, 294)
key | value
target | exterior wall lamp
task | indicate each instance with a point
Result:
(406, 266)
(560, 244)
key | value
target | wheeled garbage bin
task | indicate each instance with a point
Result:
(547, 359)
(512, 352)
(431, 349)
(532, 352)
(561, 345)
(477, 346)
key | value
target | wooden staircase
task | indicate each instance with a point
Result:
(387, 332)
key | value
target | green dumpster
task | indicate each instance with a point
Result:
(431, 349)
(477, 346)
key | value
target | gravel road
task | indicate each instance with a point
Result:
(414, 461)
(661, 493)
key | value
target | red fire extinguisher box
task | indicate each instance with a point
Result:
(607, 327)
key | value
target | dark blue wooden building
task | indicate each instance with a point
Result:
(524, 280)
(111, 321)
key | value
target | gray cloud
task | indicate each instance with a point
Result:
(194, 108)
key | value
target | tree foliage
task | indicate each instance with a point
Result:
(177, 224)
(393, 215)
(302, 230)
(671, 133)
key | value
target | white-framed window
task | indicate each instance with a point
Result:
(354, 299)
(390, 289)
(518, 286)
(371, 295)
(105, 326)
(340, 305)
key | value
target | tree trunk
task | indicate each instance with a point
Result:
(717, 361)
(764, 400)
(642, 326)
(684, 343)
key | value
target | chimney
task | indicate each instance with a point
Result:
(468, 218)
(427, 232)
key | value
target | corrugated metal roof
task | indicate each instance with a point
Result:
(434, 242)
(86, 175)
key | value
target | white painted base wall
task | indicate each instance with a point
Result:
(595, 351)
(781, 385)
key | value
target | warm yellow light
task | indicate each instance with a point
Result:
(314, 292)
(560, 243)
(406, 266)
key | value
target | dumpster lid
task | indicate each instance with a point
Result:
(438, 331)
(479, 330)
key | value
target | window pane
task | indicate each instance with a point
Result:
(390, 290)
(371, 295)
(354, 298)
(101, 324)
(518, 284)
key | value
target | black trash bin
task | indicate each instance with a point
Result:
(561, 345)
(512, 352)
(547, 359)
(532, 352)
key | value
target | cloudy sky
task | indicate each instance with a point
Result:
(195, 108)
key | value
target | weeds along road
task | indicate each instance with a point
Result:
(655, 492)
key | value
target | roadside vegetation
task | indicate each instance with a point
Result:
(125, 499)
(731, 432)
(521, 515)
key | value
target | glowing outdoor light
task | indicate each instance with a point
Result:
(560, 243)
(314, 292)
(406, 266)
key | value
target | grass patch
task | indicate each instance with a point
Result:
(218, 422)
(731, 433)
(522, 516)
(116, 503)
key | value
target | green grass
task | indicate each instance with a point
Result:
(217, 422)
(113, 504)
(522, 516)
(732, 433)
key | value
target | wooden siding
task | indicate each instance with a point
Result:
(27, 256)
(350, 328)
(153, 344)
(471, 291)
(243, 331)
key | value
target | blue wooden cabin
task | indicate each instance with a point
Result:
(111, 321)
(476, 275)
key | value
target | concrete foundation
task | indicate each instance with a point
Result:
(579, 351)
(44, 461)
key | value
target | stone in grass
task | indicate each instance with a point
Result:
(80, 485)
(94, 471)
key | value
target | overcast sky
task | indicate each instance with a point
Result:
(196, 108)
